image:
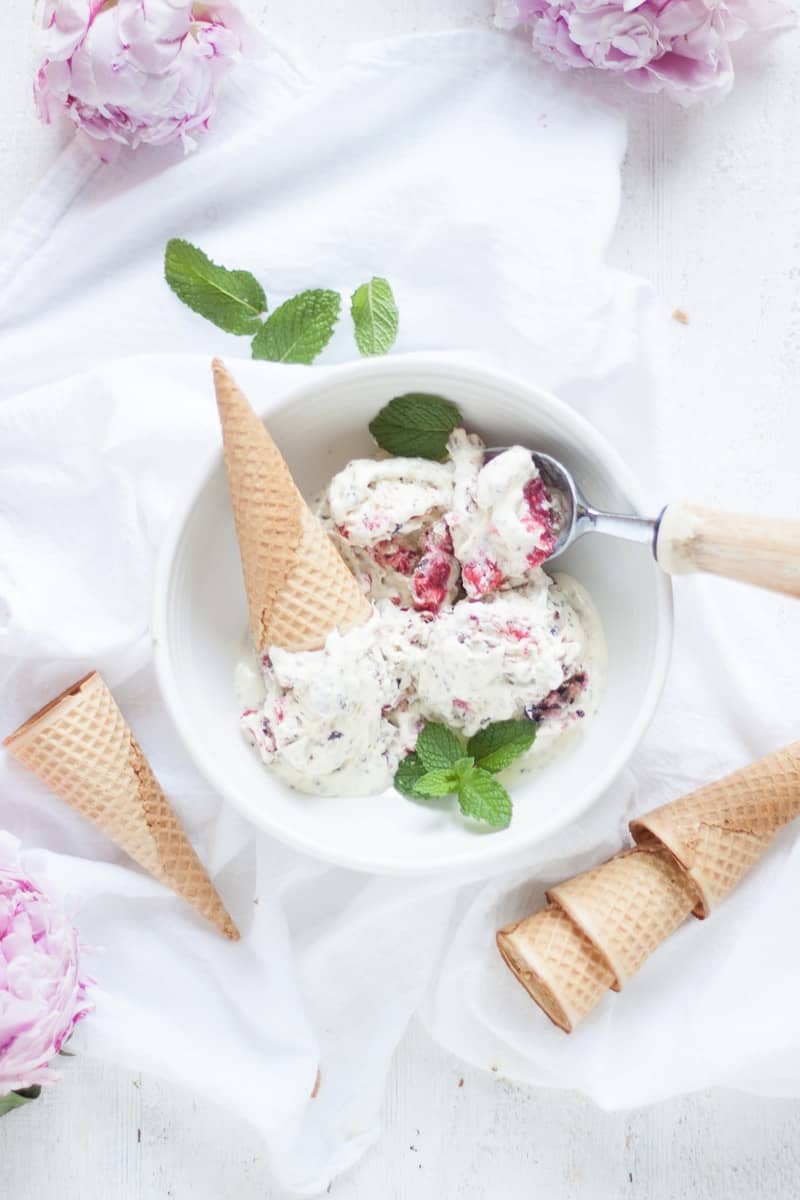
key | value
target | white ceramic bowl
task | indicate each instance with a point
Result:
(200, 615)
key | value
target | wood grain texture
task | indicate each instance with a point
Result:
(763, 551)
(710, 200)
(110, 1134)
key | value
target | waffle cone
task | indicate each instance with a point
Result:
(557, 964)
(81, 746)
(298, 586)
(719, 832)
(628, 906)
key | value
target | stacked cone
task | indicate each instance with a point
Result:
(719, 832)
(600, 927)
(298, 586)
(81, 746)
(557, 963)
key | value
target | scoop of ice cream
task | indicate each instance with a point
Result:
(371, 500)
(502, 658)
(324, 724)
(418, 531)
(504, 519)
(386, 518)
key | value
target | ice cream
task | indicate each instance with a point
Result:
(336, 721)
(504, 520)
(387, 518)
(466, 627)
(421, 531)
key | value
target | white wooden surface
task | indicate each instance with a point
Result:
(710, 216)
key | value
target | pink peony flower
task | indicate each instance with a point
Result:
(42, 991)
(679, 46)
(129, 72)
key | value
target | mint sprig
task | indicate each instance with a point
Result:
(438, 747)
(416, 425)
(442, 766)
(496, 746)
(300, 329)
(375, 317)
(233, 300)
(409, 772)
(445, 780)
(484, 798)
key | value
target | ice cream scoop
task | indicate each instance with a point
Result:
(685, 538)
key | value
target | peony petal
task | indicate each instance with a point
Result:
(137, 72)
(680, 46)
(42, 992)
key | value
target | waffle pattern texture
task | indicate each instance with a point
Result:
(720, 831)
(600, 927)
(81, 746)
(628, 906)
(557, 964)
(298, 586)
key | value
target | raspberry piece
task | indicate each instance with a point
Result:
(439, 537)
(402, 559)
(482, 576)
(432, 582)
(539, 520)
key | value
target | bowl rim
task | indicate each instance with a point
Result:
(486, 853)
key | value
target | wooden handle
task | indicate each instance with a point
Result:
(758, 550)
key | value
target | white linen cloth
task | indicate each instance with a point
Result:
(485, 188)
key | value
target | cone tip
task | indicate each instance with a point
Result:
(230, 398)
(222, 376)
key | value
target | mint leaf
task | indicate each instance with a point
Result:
(17, 1099)
(438, 748)
(233, 300)
(300, 329)
(483, 797)
(416, 425)
(375, 317)
(409, 770)
(462, 768)
(496, 746)
(437, 783)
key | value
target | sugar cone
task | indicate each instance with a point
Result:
(628, 906)
(81, 746)
(719, 832)
(298, 586)
(557, 964)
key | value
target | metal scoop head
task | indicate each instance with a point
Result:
(573, 516)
